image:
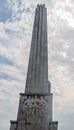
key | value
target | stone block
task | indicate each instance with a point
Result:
(13, 125)
(53, 125)
(35, 108)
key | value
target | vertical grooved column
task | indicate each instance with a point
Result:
(37, 76)
(45, 52)
(35, 48)
(29, 79)
(42, 46)
(38, 64)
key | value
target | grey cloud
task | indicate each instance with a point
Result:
(7, 77)
(5, 60)
(67, 33)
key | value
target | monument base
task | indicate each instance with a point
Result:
(35, 108)
(22, 126)
(34, 113)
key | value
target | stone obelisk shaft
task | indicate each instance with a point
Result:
(35, 105)
(37, 75)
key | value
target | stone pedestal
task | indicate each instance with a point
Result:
(34, 113)
(21, 125)
(35, 108)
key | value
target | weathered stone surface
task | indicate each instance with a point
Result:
(32, 126)
(53, 125)
(35, 108)
(13, 125)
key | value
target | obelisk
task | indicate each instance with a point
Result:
(35, 105)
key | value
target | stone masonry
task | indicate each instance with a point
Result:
(35, 105)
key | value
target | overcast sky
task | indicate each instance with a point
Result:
(16, 24)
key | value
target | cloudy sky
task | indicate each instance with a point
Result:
(16, 24)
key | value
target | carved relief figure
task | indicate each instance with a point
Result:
(33, 105)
